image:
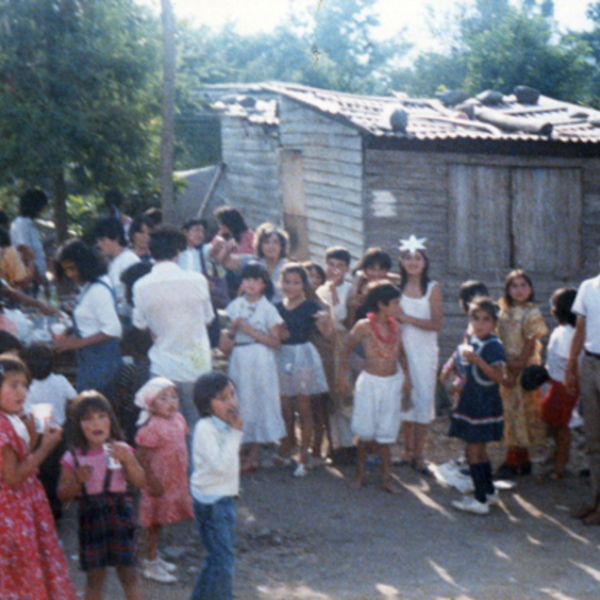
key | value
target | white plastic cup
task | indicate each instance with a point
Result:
(464, 348)
(42, 415)
(113, 463)
(58, 328)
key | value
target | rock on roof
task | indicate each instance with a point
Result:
(523, 116)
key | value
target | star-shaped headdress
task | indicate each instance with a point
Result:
(412, 244)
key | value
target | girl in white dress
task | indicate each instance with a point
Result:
(421, 316)
(253, 364)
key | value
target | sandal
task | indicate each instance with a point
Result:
(554, 475)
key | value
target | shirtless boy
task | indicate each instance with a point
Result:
(383, 382)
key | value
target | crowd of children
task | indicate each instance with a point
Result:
(354, 363)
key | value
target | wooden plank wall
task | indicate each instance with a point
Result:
(251, 180)
(333, 177)
(410, 192)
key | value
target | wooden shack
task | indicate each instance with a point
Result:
(491, 188)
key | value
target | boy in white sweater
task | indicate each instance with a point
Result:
(215, 481)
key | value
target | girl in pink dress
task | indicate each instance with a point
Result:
(32, 563)
(162, 451)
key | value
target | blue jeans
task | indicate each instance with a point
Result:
(216, 522)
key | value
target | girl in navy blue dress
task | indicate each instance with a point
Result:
(478, 419)
(300, 369)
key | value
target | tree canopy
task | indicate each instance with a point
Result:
(78, 92)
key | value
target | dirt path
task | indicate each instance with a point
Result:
(316, 539)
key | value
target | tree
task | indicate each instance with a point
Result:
(167, 141)
(497, 46)
(333, 49)
(78, 95)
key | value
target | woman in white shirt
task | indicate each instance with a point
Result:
(97, 329)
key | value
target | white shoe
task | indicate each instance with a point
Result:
(153, 570)
(300, 470)
(161, 562)
(493, 499)
(470, 504)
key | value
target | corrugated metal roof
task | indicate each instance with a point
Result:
(424, 118)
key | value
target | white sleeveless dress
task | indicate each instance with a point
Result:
(422, 352)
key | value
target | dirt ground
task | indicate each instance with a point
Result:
(316, 539)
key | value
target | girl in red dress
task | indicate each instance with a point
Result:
(162, 451)
(32, 563)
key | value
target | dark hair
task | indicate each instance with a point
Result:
(295, 267)
(155, 215)
(113, 199)
(338, 253)
(254, 270)
(83, 405)
(515, 274)
(166, 242)
(311, 265)
(4, 238)
(383, 291)
(39, 359)
(533, 377)
(206, 389)
(469, 290)
(375, 256)
(87, 260)
(484, 304)
(11, 364)
(424, 282)
(562, 304)
(111, 228)
(4, 219)
(131, 274)
(9, 342)
(264, 232)
(32, 203)
(193, 222)
(137, 224)
(233, 219)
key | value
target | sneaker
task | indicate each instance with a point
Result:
(493, 499)
(167, 566)
(470, 504)
(300, 470)
(161, 562)
(154, 571)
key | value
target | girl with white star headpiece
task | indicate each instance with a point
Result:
(421, 316)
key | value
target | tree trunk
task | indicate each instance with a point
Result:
(61, 221)
(168, 109)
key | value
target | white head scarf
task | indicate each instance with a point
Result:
(146, 395)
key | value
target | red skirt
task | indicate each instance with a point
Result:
(557, 405)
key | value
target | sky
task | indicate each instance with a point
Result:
(263, 15)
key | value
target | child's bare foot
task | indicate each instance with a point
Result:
(392, 488)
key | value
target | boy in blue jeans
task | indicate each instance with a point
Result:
(215, 481)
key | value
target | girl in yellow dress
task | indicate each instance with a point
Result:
(520, 328)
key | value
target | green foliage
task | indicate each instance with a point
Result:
(78, 92)
(334, 49)
(497, 46)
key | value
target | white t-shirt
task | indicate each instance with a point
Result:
(189, 259)
(55, 390)
(96, 312)
(587, 304)
(558, 351)
(175, 305)
(115, 269)
(340, 310)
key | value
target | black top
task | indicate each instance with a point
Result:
(299, 321)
